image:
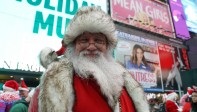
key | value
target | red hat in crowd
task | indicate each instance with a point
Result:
(189, 90)
(23, 86)
(11, 85)
(194, 88)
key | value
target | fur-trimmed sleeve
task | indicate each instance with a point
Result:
(136, 92)
(56, 87)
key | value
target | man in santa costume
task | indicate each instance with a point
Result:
(9, 95)
(171, 105)
(87, 78)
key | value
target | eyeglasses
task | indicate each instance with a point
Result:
(99, 40)
(98, 43)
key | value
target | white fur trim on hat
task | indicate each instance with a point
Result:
(10, 85)
(8, 88)
(47, 55)
(25, 89)
(91, 19)
(172, 96)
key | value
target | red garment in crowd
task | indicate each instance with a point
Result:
(171, 106)
(187, 107)
(33, 106)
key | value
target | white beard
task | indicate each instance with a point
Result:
(106, 71)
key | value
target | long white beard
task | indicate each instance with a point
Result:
(104, 69)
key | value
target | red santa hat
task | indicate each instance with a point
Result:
(23, 86)
(189, 91)
(194, 88)
(11, 85)
(172, 96)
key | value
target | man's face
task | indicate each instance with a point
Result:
(23, 93)
(91, 42)
(194, 97)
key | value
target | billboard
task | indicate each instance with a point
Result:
(140, 57)
(149, 15)
(27, 26)
(185, 59)
(178, 16)
(190, 8)
(169, 62)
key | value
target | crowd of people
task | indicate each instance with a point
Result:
(15, 96)
(173, 103)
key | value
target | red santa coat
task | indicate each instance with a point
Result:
(88, 98)
(171, 106)
(62, 91)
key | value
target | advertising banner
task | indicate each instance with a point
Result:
(184, 58)
(27, 26)
(150, 15)
(190, 9)
(179, 20)
(140, 57)
(170, 66)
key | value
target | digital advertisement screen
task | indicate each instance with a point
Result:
(178, 17)
(190, 9)
(28, 26)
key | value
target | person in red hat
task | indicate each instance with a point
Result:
(87, 78)
(185, 98)
(171, 105)
(23, 89)
(9, 96)
(23, 104)
(191, 106)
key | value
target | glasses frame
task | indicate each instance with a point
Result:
(98, 43)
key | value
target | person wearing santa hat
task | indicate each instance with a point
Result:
(87, 78)
(9, 96)
(191, 106)
(171, 105)
(185, 98)
(23, 104)
(23, 89)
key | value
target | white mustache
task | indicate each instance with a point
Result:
(84, 53)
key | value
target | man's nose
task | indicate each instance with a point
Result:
(91, 47)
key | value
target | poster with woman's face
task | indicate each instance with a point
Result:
(140, 57)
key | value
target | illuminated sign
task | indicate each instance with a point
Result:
(190, 8)
(179, 19)
(149, 15)
(27, 26)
